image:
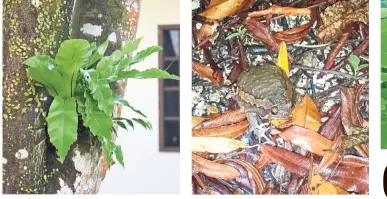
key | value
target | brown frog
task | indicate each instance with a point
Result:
(266, 90)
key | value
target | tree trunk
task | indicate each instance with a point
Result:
(38, 27)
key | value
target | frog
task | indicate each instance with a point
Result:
(266, 90)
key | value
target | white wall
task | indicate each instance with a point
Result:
(147, 170)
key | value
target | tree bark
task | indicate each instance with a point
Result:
(38, 27)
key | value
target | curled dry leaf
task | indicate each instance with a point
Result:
(262, 33)
(206, 31)
(229, 131)
(348, 109)
(252, 171)
(228, 117)
(213, 169)
(307, 139)
(292, 35)
(219, 9)
(216, 144)
(306, 114)
(337, 17)
(293, 162)
(206, 72)
(276, 9)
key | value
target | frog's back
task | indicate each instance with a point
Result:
(264, 86)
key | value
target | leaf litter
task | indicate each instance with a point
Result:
(322, 147)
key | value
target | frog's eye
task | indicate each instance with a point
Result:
(274, 111)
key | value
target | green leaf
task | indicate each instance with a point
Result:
(128, 121)
(90, 103)
(147, 74)
(98, 53)
(362, 66)
(119, 156)
(42, 69)
(91, 77)
(106, 69)
(69, 59)
(140, 56)
(122, 125)
(126, 103)
(81, 100)
(108, 147)
(146, 125)
(99, 123)
(354, 60)
(125, 49)
(383, 104)
(384, 76)
(104, 95)
(62, 122)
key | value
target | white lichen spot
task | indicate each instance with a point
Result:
(82, 162)
(25, 167)
(35, 3)
(64, 189)
(21, 154)
(5, 161)
(91, 29)
(112, 37)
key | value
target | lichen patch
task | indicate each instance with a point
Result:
(21, 154)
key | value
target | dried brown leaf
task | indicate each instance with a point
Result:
(348, 109)
(307, 139)
(219, 9)
(206, 72)
(229, 131)
(229, 117)
(293, 162)
(213, 169)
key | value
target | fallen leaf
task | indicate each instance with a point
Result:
(355, 161)
(276, 9)
(220, 9)
(338, 16)
(330, 156)
(197, 120)
(321, 186)
(351, 179)
(206, 72)
(293, 162)
(206, 31)
(332, 127)
(216, 144)
(228, 117)
(306, 114)
(282, 60)
(228, 131)
(213, 169)
(348, 109)
(278, 122)
(307, 139)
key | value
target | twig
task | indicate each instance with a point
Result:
(337, 73)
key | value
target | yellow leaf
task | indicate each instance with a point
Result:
(321, 186)
(282, 60)
(306, 114)
(278, 122)
(216, 144)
